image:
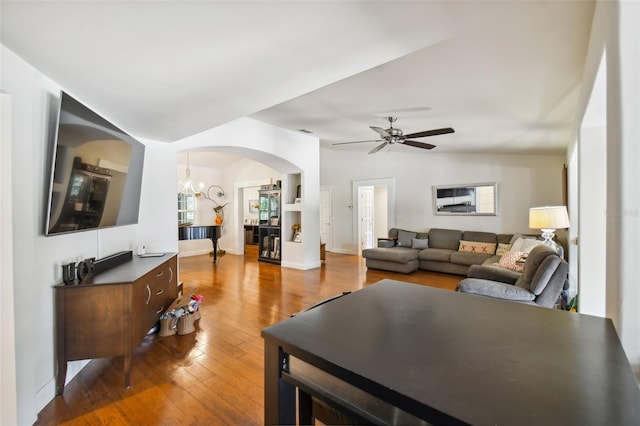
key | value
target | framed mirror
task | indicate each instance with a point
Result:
(480, 199)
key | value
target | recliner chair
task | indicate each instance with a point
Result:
(543, 278)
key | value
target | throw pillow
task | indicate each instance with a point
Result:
(509, 261)
(419, 243)
(477, 247)
(404, 238)
(525, 244)
(502, 249)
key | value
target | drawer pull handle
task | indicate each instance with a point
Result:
(160, 310)
(170, 274)
(159, 274)
(158, 293)
(148, 295)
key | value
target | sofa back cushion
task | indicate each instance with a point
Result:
(405, 238)
(504, 238)
(482, 237)
(445, 238)
(534, 261)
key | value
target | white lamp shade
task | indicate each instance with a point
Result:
(548, 217)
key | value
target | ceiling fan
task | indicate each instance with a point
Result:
(394, 135)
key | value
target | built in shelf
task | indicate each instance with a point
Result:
(293, 207)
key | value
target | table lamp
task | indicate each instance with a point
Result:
(548, 219)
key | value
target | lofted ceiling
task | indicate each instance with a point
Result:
(505, 75)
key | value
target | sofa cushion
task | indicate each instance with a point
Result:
(444, 238)
(419, 243)
(386, 243)
(405, 268)
(404, 238)
(534, 260)
(395, 254)
(467, 258)
(543, 274)
(495, 289)
(477, 247)
(440, 255)
(483, 237)
(393, 233)
(504, 238)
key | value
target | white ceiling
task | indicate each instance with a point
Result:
(504, 74)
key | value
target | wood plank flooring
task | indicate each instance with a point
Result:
(213, 376)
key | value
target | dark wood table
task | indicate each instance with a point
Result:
(404, 353)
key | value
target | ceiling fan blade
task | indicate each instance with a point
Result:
(418, 144)
(379, 130)
(378, 148)
(347, 143)
(433, 132)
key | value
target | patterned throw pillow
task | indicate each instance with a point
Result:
(509, 261)
(502, 249)
(477, 247)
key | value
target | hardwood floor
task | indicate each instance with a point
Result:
(214, 375)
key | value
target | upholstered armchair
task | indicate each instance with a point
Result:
(540, 283)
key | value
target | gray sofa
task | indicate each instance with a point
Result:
(437, 250)
(540, 284)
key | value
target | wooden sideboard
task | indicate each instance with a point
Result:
(113, 311)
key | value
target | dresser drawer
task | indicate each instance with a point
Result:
(154, 293)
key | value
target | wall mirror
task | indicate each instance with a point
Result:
(480, 199)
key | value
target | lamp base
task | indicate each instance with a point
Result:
(548, 235)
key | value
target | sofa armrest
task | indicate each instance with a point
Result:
(493, 273)
(387, 242)
(495, 289)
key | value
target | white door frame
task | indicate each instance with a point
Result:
(329, 234)
(390, 183)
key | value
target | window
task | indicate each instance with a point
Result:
(186, 208)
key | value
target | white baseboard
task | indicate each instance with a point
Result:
(344, 251)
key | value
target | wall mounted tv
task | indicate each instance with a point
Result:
(96, 172)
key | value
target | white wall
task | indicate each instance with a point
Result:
(623, 173)
(523, 182)
(36, 258)
(8, 402)
(615, 33)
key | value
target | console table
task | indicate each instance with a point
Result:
(110, 314)
(399, 353)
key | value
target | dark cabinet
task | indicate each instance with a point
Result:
(251, 234)
(269, 227)
(111, 314)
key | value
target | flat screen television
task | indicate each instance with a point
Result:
(96, 172)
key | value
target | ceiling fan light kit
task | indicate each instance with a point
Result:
(394, 135)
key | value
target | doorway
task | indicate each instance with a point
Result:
(373, 202)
